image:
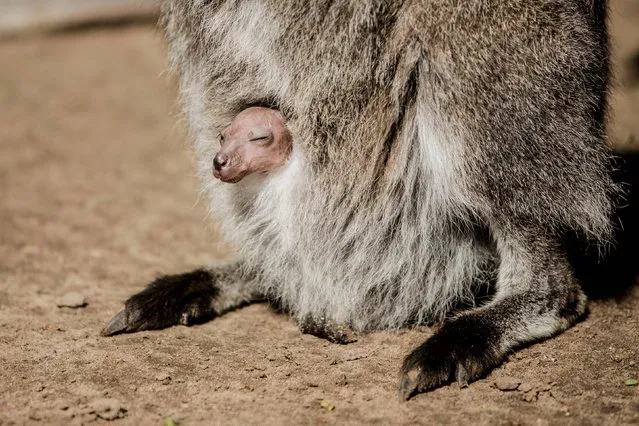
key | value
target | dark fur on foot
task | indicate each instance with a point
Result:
(473, 343)
(462, 350)
(169, 300)
(186, 299)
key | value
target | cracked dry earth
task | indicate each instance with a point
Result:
(97, 198)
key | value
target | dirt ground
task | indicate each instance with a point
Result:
(97, 197)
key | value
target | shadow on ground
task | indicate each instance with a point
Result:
(610, 272)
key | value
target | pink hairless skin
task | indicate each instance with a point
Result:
(257, 141)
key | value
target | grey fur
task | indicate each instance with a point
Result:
(439, 146)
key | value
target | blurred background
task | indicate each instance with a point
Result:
(23, 17)
(624, 35)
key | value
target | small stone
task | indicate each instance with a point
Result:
(72, 300)
(525, 387)
(506, 384)
(107, 409)
(546, 387)
(530, 396)
(342, 381)
(165, 378)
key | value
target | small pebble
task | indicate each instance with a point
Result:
(165, 378)
(525, 387)
(107, 409)
(342, 381)
(506, 384)
(72, 300)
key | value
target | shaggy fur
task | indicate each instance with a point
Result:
(439, 147)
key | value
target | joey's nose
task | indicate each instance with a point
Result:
(220, 161)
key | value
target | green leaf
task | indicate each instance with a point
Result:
(631, 382)
(170, 422)
(328, 405)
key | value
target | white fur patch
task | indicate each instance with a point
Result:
(415, 275)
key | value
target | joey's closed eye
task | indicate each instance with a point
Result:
(261, 137)
(221, 138)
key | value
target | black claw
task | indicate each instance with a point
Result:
(408, 387)
(117, 325)
(462, 375)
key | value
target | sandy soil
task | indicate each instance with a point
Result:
(97, 197)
